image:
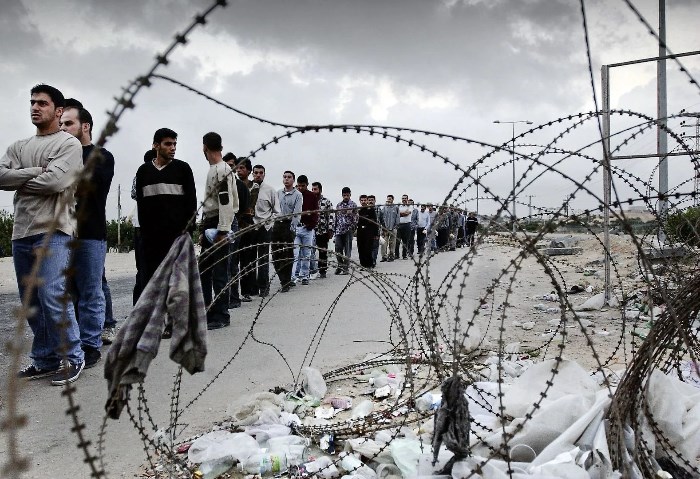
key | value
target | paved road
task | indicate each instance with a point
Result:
(359, 324)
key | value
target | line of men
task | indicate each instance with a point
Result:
(292, 224)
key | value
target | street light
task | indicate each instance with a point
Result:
(512, 124)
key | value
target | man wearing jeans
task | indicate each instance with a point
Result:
(305, 230)
(284, 230)
(41, 170)
(345, 223)
(89, 255)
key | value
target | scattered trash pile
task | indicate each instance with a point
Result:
(387, 420)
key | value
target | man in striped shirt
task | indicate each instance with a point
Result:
(166, 198)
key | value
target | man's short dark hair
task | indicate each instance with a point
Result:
(346, 189)
(163, 133)
(318, 185)
(392, 196)
(73, 103)
(246, 162)
(371, 196)
(259, 167)
(230, 157)
(363, 196)
(291, 173)
(303, 179)
(150, 155)
(212, 141)
(55, 94)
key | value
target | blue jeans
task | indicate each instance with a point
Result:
(47, 300)
(343, 249)
(89, 264)
(304, 240)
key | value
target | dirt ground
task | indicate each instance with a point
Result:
(354, 320)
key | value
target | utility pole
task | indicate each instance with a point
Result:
(661, 135)
(512, 123)
(529, 208)
(119, 218)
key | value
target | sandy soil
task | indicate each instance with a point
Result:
(358, 324)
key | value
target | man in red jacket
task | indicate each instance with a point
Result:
(305, 230)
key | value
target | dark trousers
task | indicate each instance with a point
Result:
(261, 241)
(233, 261)
(403, 232)
(420, 239)
(213, 268)
(365, 242)
(247, 254)
(283, 250)
(155, 247)
(343, 250)
(375, 250)
(110, 322)
(322, 245)
(411, 241)
(470, 238)
(443, 236)
(138, 256)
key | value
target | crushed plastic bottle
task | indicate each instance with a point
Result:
(263, 463)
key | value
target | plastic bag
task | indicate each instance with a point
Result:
(314, 384)
(222, 444)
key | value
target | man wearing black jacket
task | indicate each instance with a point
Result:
(88, 258)
(166, 199)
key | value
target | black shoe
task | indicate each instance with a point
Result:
(322, 275)
(285, 289)
(246, 298)
(234, 304)
(305, 281)
(67, 374)
(217, 325)
(391, 258)
(264, 293)
(31, 372)
(343, 272)
(92, 356)
(338, 270)
(382, 260)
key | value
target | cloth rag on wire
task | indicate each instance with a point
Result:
(172, 296)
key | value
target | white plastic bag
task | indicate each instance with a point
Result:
(314, 384)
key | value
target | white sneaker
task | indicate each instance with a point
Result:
(314, 276)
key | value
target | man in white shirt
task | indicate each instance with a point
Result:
(220, 206)
(267, 208)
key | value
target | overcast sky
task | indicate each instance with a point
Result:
(451, 66)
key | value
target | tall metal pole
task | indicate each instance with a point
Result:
(661, 136)
(607, 178)
(513, 159)
(119, 218)
(477, 191)
(512, 123)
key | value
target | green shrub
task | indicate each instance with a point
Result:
(6, 222)
(684, 226)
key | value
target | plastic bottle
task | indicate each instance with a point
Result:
(264, 463)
